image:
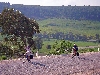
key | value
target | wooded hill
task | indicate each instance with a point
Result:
(68, 12)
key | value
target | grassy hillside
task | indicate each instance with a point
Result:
(83, 27)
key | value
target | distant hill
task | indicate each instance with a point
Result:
(68, 12)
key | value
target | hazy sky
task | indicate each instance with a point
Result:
(55, 2)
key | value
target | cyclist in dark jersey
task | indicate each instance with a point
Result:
(75, 50)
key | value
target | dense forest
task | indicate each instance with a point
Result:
(69, 12)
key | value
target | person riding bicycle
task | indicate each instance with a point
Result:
(75, 50)
(28, 54)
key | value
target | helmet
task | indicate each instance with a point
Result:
(74, 44)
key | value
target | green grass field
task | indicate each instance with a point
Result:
(83, 27)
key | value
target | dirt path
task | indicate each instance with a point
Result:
(86, 64)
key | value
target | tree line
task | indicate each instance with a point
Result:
(68, 12)
(70, 36)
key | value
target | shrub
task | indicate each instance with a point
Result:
(3, 57)
(91, 50)
(61, 47)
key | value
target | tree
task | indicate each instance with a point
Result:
(13, 22)
(16, 26)
(61, 47)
